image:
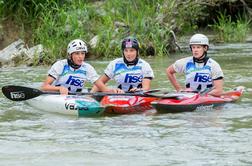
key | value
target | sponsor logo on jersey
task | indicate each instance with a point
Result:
(75, 81)
(202, 77)
(132, 78)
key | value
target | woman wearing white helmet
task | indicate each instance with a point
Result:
(201, 71)
(70, 75)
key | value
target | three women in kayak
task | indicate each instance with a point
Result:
(130, 72)
(201, 72)
(70, 75)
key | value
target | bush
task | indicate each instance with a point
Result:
(230, 31)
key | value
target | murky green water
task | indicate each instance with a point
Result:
(218, 137)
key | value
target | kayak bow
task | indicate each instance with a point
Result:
(80, 106)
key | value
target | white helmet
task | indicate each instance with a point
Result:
(199, 39)
(76, 45)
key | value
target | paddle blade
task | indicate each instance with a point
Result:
(20, 93)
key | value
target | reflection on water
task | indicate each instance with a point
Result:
(217, 137)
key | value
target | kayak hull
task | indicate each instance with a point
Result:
(168, 108)
(192, 102)
(81, 106)
(126, 104)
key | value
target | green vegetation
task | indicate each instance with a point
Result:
(230, 31)
(53, 23)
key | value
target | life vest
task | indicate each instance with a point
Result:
(73, 79)
(198, 78)
(128, 76)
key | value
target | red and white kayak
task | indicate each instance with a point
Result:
(127, 104)
(188, 102)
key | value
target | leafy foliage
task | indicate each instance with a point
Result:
(231, 31)
(54, 23)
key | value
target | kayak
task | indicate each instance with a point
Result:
(81, 106)
(126, 104)
(188, 102)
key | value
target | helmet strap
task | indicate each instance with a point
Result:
(202, 59)
(72, 64)
(131, 63)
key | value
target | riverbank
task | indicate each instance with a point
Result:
(103, 24)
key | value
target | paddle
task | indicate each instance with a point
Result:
(21, 93)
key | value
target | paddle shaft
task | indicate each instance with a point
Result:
(99, 94)
(21, 93)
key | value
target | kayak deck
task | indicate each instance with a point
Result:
(126, 104)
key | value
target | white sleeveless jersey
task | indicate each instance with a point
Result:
(73, 79)
(199, 76)
(128, 77)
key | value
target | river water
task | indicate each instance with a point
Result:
(218, 137)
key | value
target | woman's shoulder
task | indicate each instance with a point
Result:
(86, 64)
(189, 58)
(184, 60)
(116, 61)
(211, 60)
(142, 61)
(60, 62)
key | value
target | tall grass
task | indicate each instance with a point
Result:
(57, 29)
(26, 11)
(54, 23)
(230, 31)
